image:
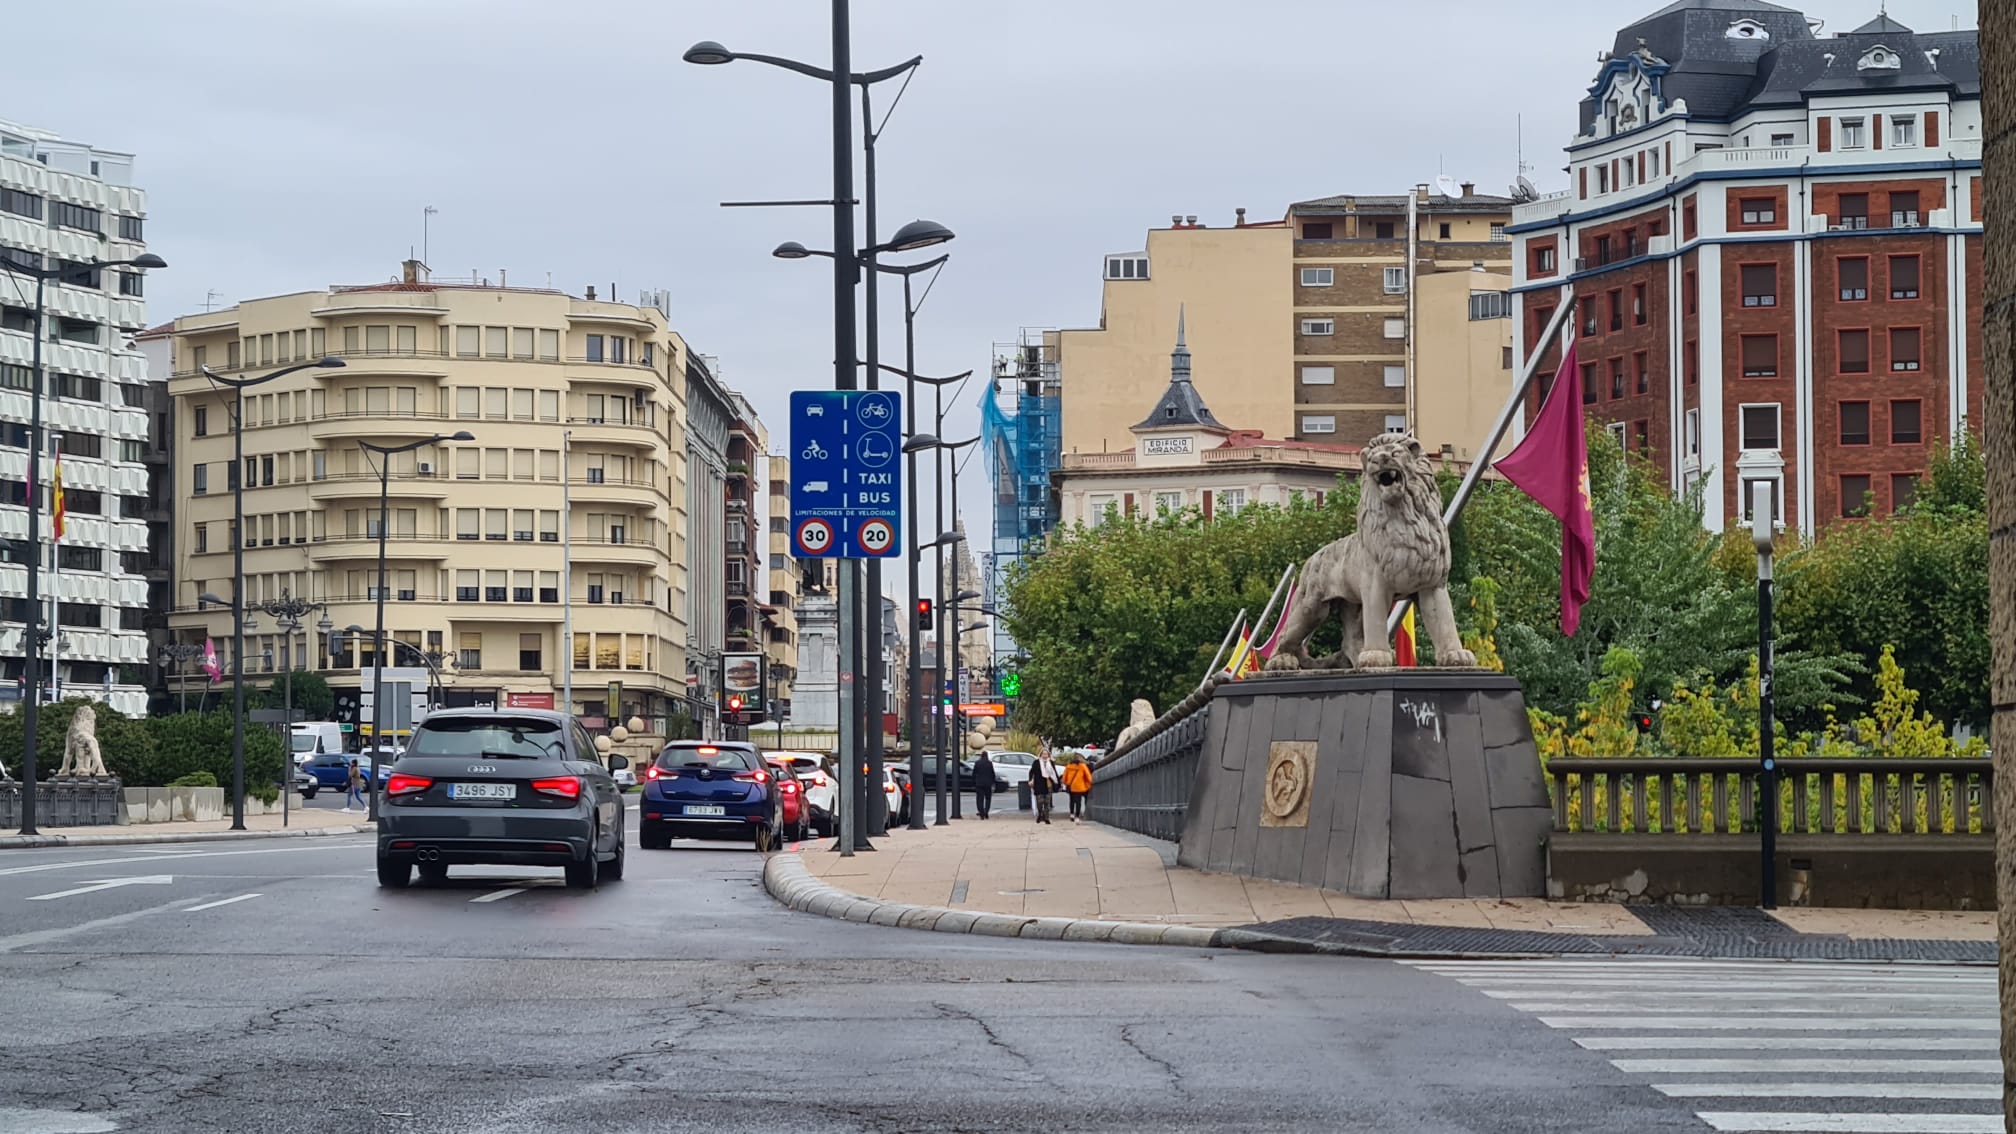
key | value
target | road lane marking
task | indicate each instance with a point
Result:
(1763, 1023)
(1829, 1090)
(498, 895)
(1804, 1043)
(83, 862)
(1739, 1122)
(44, 936)
(1763, 1066)
(222, 902)
(107, 884)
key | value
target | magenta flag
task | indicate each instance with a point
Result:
(1551, 464)
(210, 665)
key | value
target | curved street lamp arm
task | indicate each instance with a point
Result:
(902, 373)
(825, 74)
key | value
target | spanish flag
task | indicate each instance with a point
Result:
(56, 498)
(1403, 640)
(1243, 660)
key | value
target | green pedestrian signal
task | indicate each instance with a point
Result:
(1011, 685)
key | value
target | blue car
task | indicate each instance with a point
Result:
(332, 771)
(703, 789)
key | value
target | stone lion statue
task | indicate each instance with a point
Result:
(80, 747)
(1401, 548)
(1139, 716)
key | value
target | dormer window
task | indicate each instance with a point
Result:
(1132, 267)
(1880, 58)
(1747, 29)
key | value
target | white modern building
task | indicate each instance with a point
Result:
(65, 201)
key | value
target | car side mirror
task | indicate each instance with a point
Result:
(618, 763)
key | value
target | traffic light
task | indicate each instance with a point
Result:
(924, 614)
(1011, 684)
(1644, 722)
(735, 702)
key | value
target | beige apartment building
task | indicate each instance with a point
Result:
(1315, 327)
(577, 408)
(781, 642)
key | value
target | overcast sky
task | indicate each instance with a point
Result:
(288, 144)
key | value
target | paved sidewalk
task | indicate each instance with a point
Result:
(1009, 865)
(302, 823)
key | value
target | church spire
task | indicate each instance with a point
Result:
(1181, 405)
(1179, 360)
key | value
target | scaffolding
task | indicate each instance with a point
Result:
(1021, 422)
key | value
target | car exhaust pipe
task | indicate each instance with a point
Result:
(427, 854)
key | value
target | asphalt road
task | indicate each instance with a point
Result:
(274, 986)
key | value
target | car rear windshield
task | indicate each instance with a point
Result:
(707, 756)
(529, 738)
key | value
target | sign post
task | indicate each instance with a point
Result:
(846, 493)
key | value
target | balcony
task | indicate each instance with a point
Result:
(335, 549)
(377, 423)
(604, 431)
(631, 551)
(364, 486)
(614, 490)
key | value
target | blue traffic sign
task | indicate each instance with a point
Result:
(846, 483)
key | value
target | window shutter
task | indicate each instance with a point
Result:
(1932, 129)
(1207, 505)
(1641, 165)
(1826, 140)
(1585, 182)
(1127, 504)
(1876, 131)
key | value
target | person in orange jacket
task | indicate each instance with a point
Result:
(1077, 778)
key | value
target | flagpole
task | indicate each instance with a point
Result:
(1238, 620)
(1287, 573)
(1483, 458)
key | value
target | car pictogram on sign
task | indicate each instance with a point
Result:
(815, 536)
(876, 537)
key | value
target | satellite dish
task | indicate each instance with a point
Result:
(1524, 191)
(1448, 187)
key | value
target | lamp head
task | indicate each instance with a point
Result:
(708, 53)
(949, 538)
(964, 595)
(918, 234)
(462, 435)
(331, 363)
(148, 260)
(920, 441)
(206, 596)
(791, 250)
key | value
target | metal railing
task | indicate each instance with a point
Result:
(1816, 795)
(1144, 785)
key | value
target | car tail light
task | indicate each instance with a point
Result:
(654, 773)
(759, 776)
(707, 750)
(403, 784)
(566, 787)
(790, 787)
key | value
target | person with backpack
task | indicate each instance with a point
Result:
(1077, 779)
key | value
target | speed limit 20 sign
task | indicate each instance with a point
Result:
(846, 483)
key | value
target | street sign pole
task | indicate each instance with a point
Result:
(846, 493)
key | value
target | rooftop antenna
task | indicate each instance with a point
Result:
(425, 215)
(210, 299)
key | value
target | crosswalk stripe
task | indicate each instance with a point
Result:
(1773, 1005)
(1592, 988)
(1830, 1090)
(1721, 994)
(1765, 1122)
(1802, 1043)
(1760, 1023)
(1623, 966)
(1843, 1066)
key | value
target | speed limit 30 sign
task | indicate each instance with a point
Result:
(815, 536)
(846, 481)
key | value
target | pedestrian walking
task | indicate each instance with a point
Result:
(1078, 781)
(1044, 779)
(983, 784)
(356, 795)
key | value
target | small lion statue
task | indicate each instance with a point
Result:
(1401, 548)
(1139, 716)
(80, 747)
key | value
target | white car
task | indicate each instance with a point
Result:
(626, 778)
(1012, 768)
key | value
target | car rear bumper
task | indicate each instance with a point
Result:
(470, 836)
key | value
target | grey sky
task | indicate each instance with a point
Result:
(289, 144)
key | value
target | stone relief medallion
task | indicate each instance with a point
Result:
(1291, 770)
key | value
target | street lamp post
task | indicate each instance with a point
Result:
(385, 455)
(177, 654)
(238, 479)
(845, 276)
(1762, 531)
(30, 545)
(287, 612)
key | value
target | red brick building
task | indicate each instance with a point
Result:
(1772, 236)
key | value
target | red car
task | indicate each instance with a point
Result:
(795, 815)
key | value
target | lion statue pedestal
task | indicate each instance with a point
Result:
(1396, 783)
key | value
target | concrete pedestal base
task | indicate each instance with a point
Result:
(1405, 783)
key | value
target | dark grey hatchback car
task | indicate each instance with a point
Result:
(512, 787)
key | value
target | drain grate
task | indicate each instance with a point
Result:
(1701, 932)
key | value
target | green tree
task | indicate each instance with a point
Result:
(311, 694)
(187, 743)
(1135, 607)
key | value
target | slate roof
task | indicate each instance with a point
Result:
(1720, 77)
(1181, 404)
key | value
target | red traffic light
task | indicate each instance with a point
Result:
(735, 704)
(924, 621)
